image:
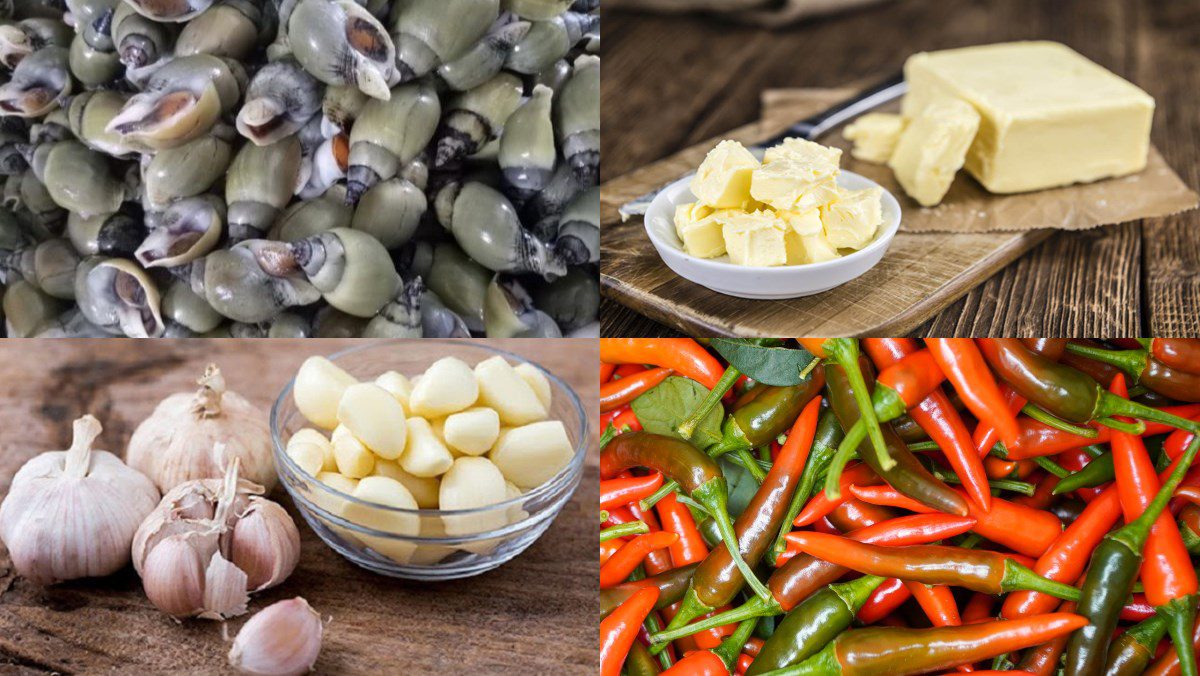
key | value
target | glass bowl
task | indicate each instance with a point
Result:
(412, 543)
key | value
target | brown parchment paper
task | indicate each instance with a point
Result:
(969, 208)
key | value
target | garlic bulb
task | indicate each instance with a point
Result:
(177, 442)
(211, 542)
(73, 513)
(282, 639)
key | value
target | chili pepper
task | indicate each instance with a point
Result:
(698, 663)
(1132, 651)
(978, 609)
(906, 474)
(1137, 609)
(659, 560)
(821, 504)
(1020, 528)
(814, 623)
(619, 630)
(1145, 370)
(621, 564)
(731, 647)
(1167, 572)
(1039, 439)
(1096, 473)
(975, 569)
(696, 473)
(622, 530)
(899, 650)
(852, 515)
(689, 547)
(617, 393)
(1114, 566)
(821, 443)
(713, 636)
(763, 413)
(606, 372)
(1168, 664)
(937, 602)
(1050, 348)
(1189, 527)
(1063, 391)
(627, 418)
(963, 365)
(609, 547)
(1179, 353)
(1043, 494)
(886, 598)
(913, 382)
(640, 662)
(671, 585)
(683, 355)
(717, 581)
(799, 577)
(845, 353)
(621, 491)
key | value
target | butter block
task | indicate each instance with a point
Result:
(802, 222)
(1050, 117)
(874, 136)
(804, 249)
(754, 239)
(851, 221)
(699, 230)
(933, 148)
(723, 178)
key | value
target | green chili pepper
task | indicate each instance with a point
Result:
(907, 475)
(1111, 574)
(765, 412)
(1189, 527)
(639, 661)
(1097, 472)
(1145, 370)
(825, 442)
(814, 623)
(671, 586)
(1133, 650)
(696, 473)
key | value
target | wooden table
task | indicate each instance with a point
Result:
(670, 82)
(536, 614)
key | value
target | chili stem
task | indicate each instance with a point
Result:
(688, 427)
(1057, 423)
(732, 646)
(1180, 614)
(1132, 362)
(663, 491)
(652, 627)
(753, 608)
(750, 463)
(1110, 405)
(610, 433)
(1050, 466)
(845, 352)
(683, 499)
(924, 446)
(1137, 428)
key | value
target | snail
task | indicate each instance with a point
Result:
(548, 41)
(119, 297)
(260, 182)
(140, 42)
(93, 20)
(509, 312)
(13, 135)
(487, 228)
(78, 178)
(181, 101)
(459, 282)
(308, 218)
(251, 282)
(173, 11)
(439, 321)
(186, 312)
(340, 107)
(28, 310)
(527, 152)
(186, 170)
(538, 10)
(578, 237)
(281, 98)
(431, 32)
(39, 83)
(482, 61)
(579, 119)
(19, 40)
(285, 325)
(88, 116)
(401, 316)
(351, 270)
(572, 301)
(340, 43)
(476, 117)
(49, 265)
(389, 134)
(188, 229)
(230, 28)
(390, 212)
(117, 234)
(324, 167)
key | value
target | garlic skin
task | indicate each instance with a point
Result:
(177, 443)
(72, 514)
(280, 640)
(210, 543)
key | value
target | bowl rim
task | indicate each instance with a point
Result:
(881, 240)
(575, 466)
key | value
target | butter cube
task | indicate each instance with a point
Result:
(874, 136)
(851, 221)
(796, 174)
(723, 179)
(802, 222)
(805, 249)
(932, 149)
(699, 230)
(755, 239)
(1050, 116)
(803, 150)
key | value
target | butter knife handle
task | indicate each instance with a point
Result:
(812, 127)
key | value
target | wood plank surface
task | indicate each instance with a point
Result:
(536, 614)
(1134, 278)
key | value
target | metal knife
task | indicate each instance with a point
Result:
(810, 128)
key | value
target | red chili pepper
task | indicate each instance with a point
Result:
(711, 638)
(979, 608)
(820, 505)
(610, 547)
(1043, 660)
(627, 370)
(886, 598)
(1180, 353)
(676, 518)
(1042, 496)
(684, 355)
(617, 393)
(628, 557)
(1037, 438)
(622, 491)
(606, 419)
(627, 418)
(699, 663)
(606, 372)
(937, 601)
(619, 630)
(963, 364)
(1138, 609)
(659, 560)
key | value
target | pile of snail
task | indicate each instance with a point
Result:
(290, 168)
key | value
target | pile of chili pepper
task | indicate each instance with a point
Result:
(888, 505)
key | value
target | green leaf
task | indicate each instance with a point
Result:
(764, 364)
(663, 407)
(742, 486)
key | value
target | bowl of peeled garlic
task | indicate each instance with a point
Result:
(428, 460)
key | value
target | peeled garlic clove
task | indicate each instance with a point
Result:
(265, 545)
(199, 435)
(536, 379)
(473, 431)
(353, 459)
(308, 456)
(72, 514)
(531, 454)
(424, 489)
(280, 640)
(318, 389)
(470, 483)
(425, 455)
(503, 389)
(448, 386)
(397, 385)
(374, 417)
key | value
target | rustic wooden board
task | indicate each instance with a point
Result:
(1135, 278)
(919, 275)
(536, 614)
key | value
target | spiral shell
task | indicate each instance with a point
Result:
(351, 269)
(389, 134)
(38, 84)
(431, 32)
(187, 230)
(340, 43)
(119, 297)
(281, 98)
(182, 101)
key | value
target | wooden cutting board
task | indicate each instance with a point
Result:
(535, 614)
(920, 275)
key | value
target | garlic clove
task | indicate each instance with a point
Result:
(281, 639)
(265, 544)
(318, 388)
(173, 575)
(224, 590)
(375, 418)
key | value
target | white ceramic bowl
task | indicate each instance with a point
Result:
(784, 281)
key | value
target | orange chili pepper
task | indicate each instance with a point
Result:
(606, 372)
(820, 505)
(684, 355)
(659, 560)
(627, 418)
(963, 364)
(978, 609)
(699, 663)
(676, 518)
(624, 490)
(610, 547)
(617, 393)
(622, 563)
(619, 630)
(627, 370)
